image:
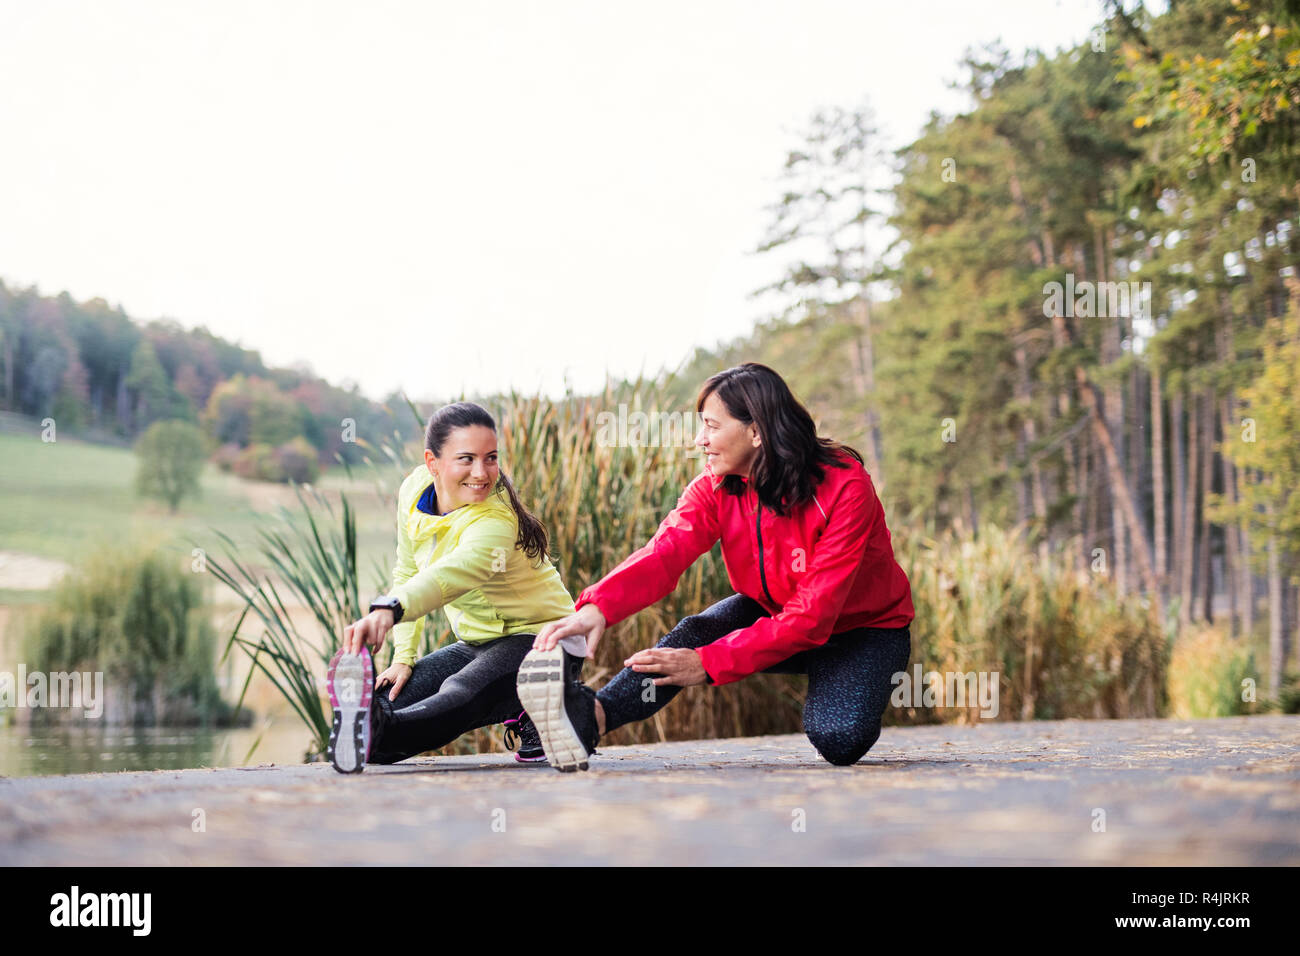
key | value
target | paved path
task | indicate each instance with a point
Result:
(1206, 792)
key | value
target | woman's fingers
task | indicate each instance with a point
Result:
(593, 638)
(398, 683)
(543, 636)
(542, 641)
(590, 623)
(550, 635)
(647, 656)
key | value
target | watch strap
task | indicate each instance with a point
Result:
(388, 604)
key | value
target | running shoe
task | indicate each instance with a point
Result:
(561, 706)
(351, 682)
(521, 733)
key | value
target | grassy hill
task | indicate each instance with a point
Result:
(58, 497)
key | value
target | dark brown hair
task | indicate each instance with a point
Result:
(791, 460)
(532, 533)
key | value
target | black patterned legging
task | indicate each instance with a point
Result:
(849, 678)
(452, 691)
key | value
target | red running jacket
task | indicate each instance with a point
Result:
(827, 567)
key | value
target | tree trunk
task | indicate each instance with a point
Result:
(1139, 486)
(1233, 478)
(1158, 480)
(1023, 514)
(1091, 520)
(1207, 478)
(1113, 398)
(1180, 499)
(1246, 573)
(1187, 559)
(1076, 477)
(1119, 487)
(1025, 441)
(1276, 628)
(1232, 553)
(972, 515)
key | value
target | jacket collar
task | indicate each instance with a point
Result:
(495, 501)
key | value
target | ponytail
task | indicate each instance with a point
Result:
(532, 533)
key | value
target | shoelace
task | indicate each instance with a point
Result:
(512, 731)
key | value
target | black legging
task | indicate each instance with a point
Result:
(452, 691)
(849, 678)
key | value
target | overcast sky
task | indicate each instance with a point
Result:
(437, 196)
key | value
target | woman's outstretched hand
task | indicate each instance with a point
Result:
(371, 630)
(586, 620)
(678, 665)
(397, 675)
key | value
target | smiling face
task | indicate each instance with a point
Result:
(729, 445)
(466, 471)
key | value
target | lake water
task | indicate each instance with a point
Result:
(94, 747)
(38, 751)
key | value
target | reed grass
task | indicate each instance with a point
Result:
(1208, 675)
(1065, 644)
(314, 555)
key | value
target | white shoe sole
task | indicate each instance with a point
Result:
(541, 684)
(349, 681)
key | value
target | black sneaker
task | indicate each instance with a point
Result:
(521, 733)
(562, 707)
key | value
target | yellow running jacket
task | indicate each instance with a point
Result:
(466, 563)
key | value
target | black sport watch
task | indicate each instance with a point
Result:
(388, 604)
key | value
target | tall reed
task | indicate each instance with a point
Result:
(314, 555)
(1064, 644)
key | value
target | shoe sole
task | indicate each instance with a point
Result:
(351, 682)
(541, 684)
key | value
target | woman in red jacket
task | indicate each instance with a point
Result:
(807, 550)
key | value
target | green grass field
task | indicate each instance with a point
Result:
(58, 499)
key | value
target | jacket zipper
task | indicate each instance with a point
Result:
(762, 571)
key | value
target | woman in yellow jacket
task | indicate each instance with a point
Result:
(465, 544)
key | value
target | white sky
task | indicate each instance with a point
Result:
(437, 196)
